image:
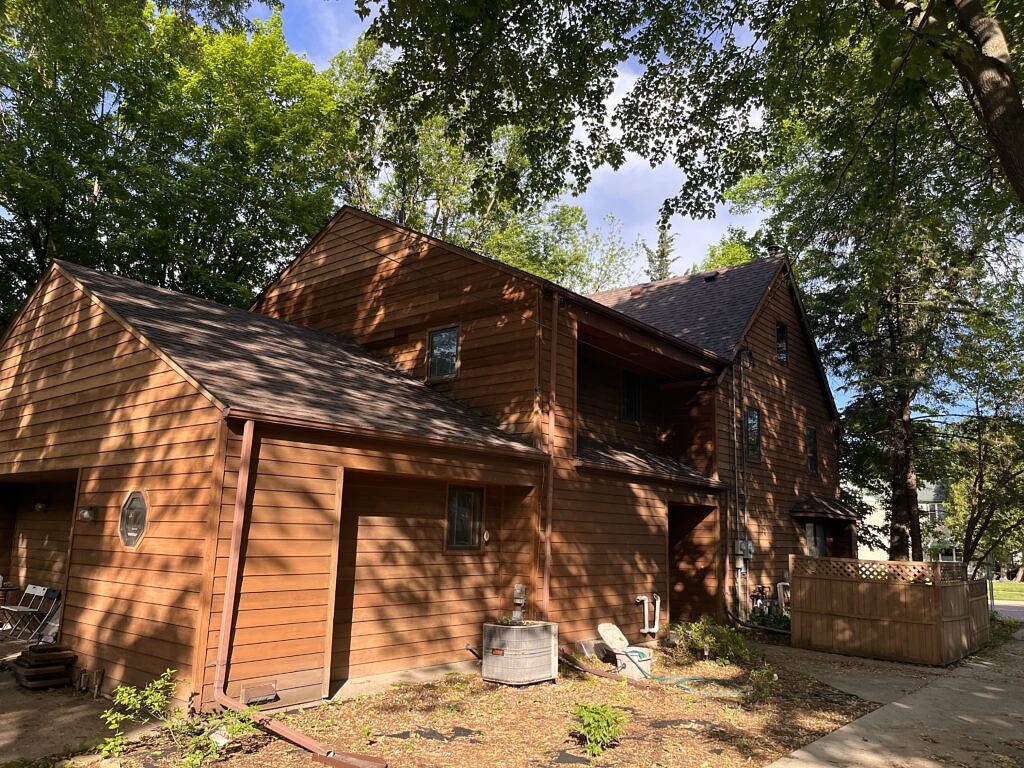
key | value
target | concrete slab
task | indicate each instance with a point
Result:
(869, 679)
(972, 716)
(36, 724)
(1010, 609)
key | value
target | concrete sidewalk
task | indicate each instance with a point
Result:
(972, 716)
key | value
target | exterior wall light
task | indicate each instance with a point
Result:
(87, 514)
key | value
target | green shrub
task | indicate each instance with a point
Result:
(598, 727)
(771, 620)
(1002, 628)
(707, 639)
(762, 683)
(191, 735)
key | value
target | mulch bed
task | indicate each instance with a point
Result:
(463, 722)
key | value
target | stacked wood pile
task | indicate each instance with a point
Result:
(44, 666)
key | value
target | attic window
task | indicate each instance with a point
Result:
(442, 353)
(782, 342)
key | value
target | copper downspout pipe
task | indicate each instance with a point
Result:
(550, 501)
(320, 753)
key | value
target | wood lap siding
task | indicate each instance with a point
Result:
(400, 601)
(403, 602)
(285, 584)
(791, 399)
(384, 289)
(80, 392)
(38, 544)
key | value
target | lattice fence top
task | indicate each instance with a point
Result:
(880, 570)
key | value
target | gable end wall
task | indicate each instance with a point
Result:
(79, 392)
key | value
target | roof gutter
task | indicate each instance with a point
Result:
(524, 452)
(320, 753)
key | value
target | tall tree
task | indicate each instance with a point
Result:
(146, 144)
(984, 446)
(715, 80)
(659, 258)
(734, 247)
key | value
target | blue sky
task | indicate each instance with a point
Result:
(633, 193)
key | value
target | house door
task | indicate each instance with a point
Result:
(35, 530)
(693, 562)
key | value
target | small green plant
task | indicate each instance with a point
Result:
(195, 738)
(598, 727)
(762, 683)
(137, 705)
(1002, 628)
(707, 639)
(779, 620)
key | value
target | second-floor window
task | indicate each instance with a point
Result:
(629, 407)
(753, 434)
(782, 342)
(811, 443)
(442, 353)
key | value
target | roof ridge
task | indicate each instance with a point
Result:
(678, 279)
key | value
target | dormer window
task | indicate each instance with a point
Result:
(443, 354)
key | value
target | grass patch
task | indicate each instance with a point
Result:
(1002, 629)
(1008, 590)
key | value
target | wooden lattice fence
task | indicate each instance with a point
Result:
(926, 613)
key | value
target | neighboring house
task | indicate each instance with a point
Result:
(400, 432)
(937, 540)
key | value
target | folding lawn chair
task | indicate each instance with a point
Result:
(34, 609)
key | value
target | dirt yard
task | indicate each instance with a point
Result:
(461, 721)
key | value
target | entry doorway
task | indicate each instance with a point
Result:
(35, 529)
(693, 562)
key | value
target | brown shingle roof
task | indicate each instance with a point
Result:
(250, 361)
(812, 505)
(633, 460)
(709, 313)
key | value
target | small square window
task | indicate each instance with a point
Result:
(754, 434)
(465, 517)
(782, 342)
(442, 353)
(629, 408)
(812, 450)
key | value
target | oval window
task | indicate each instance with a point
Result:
(133, 518)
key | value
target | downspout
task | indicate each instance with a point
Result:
(734, 527)
(743, 484)
(550, 501)
(320, 753)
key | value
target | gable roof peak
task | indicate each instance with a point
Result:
(711, 310)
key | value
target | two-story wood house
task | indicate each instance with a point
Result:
(347, 480)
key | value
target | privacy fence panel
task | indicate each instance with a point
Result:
(925, 613)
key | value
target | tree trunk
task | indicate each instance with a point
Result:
(985, 67)
(905, 520)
